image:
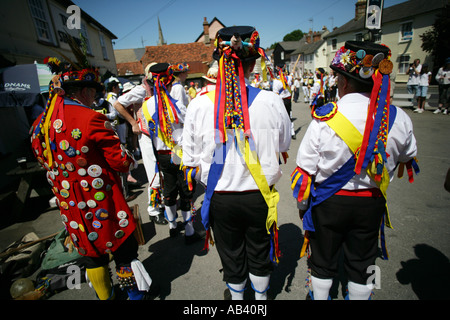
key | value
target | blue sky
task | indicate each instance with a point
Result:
(136, 21)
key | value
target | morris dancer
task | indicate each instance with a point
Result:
(345, 162)
(232, 141)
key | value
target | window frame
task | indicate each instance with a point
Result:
(42, 21)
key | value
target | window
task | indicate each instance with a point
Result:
(84, 33)
(334, 44)
(103, 45)
(403, 64)
(406, 31)
(41, 21)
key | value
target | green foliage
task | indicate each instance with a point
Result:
(295, 35)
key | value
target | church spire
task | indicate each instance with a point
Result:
(161, 37)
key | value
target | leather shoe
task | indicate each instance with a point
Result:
(159, 219)
(192, 238)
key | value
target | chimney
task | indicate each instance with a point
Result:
(360, 9)
(309, 36)
(206, 31)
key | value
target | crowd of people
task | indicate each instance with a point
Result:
(232, 137)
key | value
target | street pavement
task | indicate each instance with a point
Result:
(418, 245)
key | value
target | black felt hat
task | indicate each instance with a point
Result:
(246, 47)
(163, 71)
(360, 59)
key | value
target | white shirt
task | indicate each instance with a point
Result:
(176, 127)
(277, 87)
(443, 76)
(270, 126)
(135, 95)
(178, 93)
(414, 75)
(322, 152)
(424, 79)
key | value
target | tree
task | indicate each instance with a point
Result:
(437, 40)
(295, 35)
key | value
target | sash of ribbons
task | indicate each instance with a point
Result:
(246, 148)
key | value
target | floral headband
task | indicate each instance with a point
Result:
(180, 67)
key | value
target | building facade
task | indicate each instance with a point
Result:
(35, 29)
(401, 28)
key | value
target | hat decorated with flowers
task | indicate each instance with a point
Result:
(360, 60)
(180, 67)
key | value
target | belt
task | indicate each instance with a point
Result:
(369, 193)
(164, 151)
(244, 191)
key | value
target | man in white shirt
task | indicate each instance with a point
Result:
(238, 187)
(137, 96)
(283, 90)
(351, 196)
(180, 72)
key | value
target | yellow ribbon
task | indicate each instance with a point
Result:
(46, 133)
(353, 138)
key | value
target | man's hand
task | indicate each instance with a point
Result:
(136, 129)
(301, 213)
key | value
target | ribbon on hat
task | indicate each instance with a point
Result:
(231, 103)
(167, 110)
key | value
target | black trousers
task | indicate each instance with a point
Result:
(350, 224)
(238, 220)
(123, 256)
(174, 183)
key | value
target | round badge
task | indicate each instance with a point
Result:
(65, 184)
(72, 203)
(109, 244)
(50, 182)
(385, 66)
(97, 224)
(377, 59)
(82, 172)
(84, 183)
(64, 193)
(70, 152)
(70, 167)
(80, 226)
(108, 187)
(82, 162)
(366, 72)
(93, 236)
(81, 251)
(360, 54)
(94, 171)
(81, 205)
(59, 157)
(123, 223)
(76, 133)
(62, 166)
(73, 224)
(55, 171)
(64, 218)
(57, 124)
(101, 214)
(119, 234)
(91, 203)
(367, 61)
(84, 149)
(64, 205)
(74, 237)
(99, 196)
(108, 125)
(64, 145)
(89, 215)
(97, 183)
(65, 174)
(122, 214)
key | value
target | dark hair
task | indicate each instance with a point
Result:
(111, 85)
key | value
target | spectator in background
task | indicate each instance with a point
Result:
(443, 79)
(424, 82)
